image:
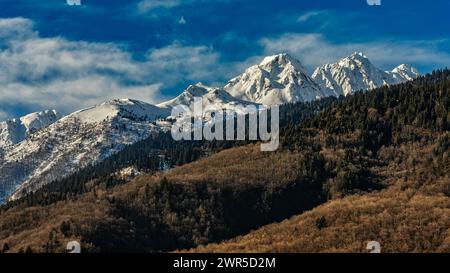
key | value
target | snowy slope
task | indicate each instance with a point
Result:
(212, 98)
(16, 130)
(187, 96)
(75, 141)
(355, 73)
(404, 73)
(277, 79)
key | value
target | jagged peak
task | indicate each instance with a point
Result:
(406, 67)
(114, 108)
(358, 58)
(358, 55)
(280, 61)
(197, 90)
(405, 71)
(32, 116)
(279, 58)
(120, 102)
(15, 130)
(37, 120)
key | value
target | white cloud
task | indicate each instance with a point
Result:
(177, 62)
(62, 74)
(315, 50)
(41, 73)
(17, 28)
(148, 5)
(307, 16)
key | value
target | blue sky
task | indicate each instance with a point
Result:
(53, 55)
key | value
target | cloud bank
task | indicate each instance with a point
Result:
(39, 73)
(315, 50)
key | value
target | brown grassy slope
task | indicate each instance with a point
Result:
(411, 215)
(240, 166)
(34, 227)
(400, 221)
(22, 227)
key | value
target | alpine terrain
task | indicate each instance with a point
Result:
(356, 73)
(41, 147)
(15, 130)
(77, 140)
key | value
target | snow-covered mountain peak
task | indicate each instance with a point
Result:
(221, 98)
(16, 130)
(125, 108)
(276, 63)
(277, 79)
(357, 60)
(211, 97)
(38, 120)
(358, 55)
(197, 90)
(121, 102)
(187, 96)
(406, 71)
(356, 72)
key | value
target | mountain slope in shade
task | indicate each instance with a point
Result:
(75, 141)
(277, 79)
(16, 130)
(356, 72)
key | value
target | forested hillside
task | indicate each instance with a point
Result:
(373, 164)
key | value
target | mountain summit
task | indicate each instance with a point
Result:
(405, 72)
(16, 130)
(277, 79)
(356, 72)
(211, 96)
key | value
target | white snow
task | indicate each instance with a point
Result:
(16, 130)
(212, 98)
(355, 73)
(187, 96)
(277, 79)
(405, 72)
(111, 109)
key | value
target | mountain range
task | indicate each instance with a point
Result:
(370, 166)
(356, 73)
(43, 147)
(75, 141)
